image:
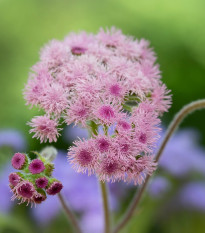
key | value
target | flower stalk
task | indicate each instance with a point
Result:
(71, 217)
(105, 207)
(94, 131)
(179, 117)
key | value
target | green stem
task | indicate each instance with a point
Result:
(185, 111)
(93, 127)
(105, 207)
(69, 214)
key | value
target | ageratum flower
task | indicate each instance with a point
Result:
(34, 180)
(108, 80)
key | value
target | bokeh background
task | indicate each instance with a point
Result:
(176, 31)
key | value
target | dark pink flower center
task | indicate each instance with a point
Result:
(41, 182)
(143, 138)
(84, 157)
(26, 190)
(115, 90)
(14, 179)
(82, 112)
(103, 145)
(54, 188)
(110, 168)
(39, 199)
(124, 147)
(124, 125)
(77, 50)
(43, 128)
(106, 112)
(36, 166)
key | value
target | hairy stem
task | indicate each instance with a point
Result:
(105, 207)
(186, 110)
(93, 129)
(71, 217)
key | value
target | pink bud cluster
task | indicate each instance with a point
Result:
(34, 181)
(104, 79)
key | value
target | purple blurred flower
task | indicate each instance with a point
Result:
(183, 154)
(12, 138)
(5, 203)
(72, 132)
(192, 195)
(92, 221)
(158, 186)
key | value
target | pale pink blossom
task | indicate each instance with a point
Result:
(83, 156)
(106, 79)
(44, 128)
(55, 99)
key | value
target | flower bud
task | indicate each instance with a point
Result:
(19, 161)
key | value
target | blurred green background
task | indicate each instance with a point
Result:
(176, 30)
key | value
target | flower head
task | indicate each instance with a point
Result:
(39, 198)
(83, 156)
(41, 182)
(24, 191)
(44, 128)
(54, 188)
(31, 183)
(107, 79)
(103, 143)
(36, 166)
(19, 161)
(14, 179)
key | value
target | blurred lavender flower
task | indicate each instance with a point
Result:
(183, 154)
(72, 132)
(111, 129)
(158, 186)
(5, 203)
(12, 138)
(192, 195)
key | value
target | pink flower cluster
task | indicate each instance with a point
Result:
(104, 79)
(34, 181)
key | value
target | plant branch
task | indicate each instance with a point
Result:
(93, 130)
(71, 217)
(179, 117)
(105, 207)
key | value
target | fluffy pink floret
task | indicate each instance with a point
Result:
(44, 128)
(78, 112)
(103, 143)
(24, 191)
(36, 166)
(107, 114)
(141, 167)
(54, 54)
(110, 170)
(83, 155)
(161, 98)
(111, 38)
(55, 99)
